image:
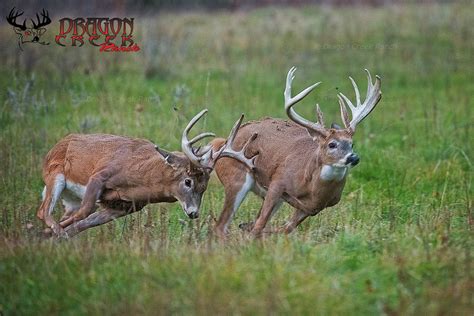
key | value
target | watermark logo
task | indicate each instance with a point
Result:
(108, 34)
(29, 34)
(111, 35)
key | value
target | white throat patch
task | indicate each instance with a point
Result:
(333, 173)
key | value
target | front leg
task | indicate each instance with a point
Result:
(271, 203)
(298, 217)
(93, 191)
(95, 219)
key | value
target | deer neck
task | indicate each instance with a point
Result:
(149, 180)
(332, 173)
(317, 172)
(323, 186)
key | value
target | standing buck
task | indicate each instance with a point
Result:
(124, 174)
(302, 163)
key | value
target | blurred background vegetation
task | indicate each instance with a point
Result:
(153, 6)
(400, 241)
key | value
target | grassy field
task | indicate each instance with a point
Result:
(400, 241)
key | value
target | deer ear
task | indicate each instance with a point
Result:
(41, 31)
(17, 30)
(315, 135)
(170, 158)
(335, 126)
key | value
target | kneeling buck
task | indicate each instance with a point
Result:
(124, 174)
(302, 163)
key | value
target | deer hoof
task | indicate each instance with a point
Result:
(246, 226)
(59, 231)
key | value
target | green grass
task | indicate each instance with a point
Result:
(399, 242)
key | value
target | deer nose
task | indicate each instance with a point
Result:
(193, 215)
(353, 159)
(35, 39)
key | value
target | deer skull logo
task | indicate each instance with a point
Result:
(29, 34)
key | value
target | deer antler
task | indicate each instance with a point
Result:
(227, 151)
(360, 111)
(11, 19)
(41, 22)
(197, 159)
(206, 157)
(291, 101)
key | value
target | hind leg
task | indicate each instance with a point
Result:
(92, 193)
(40, 211)
(70, 207)
(54, 186)
(237, 184)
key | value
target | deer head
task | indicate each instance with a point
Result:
(335, 143)
(193, 166)
(29, 34)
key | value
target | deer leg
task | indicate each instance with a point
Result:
(70, 206)
(235, 193)
(271, 203)
(298, 217)
(93, 192)
(51, 195)
(249, 225)
(68, 219)
(95, 219)
(41, 209)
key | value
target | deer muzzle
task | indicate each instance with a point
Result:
(193, 214)
(352, 160)
(191, 209)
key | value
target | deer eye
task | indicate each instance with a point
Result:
(332, 145)
(188, 182)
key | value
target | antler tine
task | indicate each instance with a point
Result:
(233, 131)
(291, 101)
(240, 155)
(45, 14)
(208, 158)
(319, 115)
(356, 90)
(227, 151)
(344, 115)
(201, 136)
(12, 18)
(41, 22)
(34, 24)
(17, 14)
(186, 144)
(360, 110)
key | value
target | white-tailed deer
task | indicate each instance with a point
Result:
(123, 174)
(302, 163)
